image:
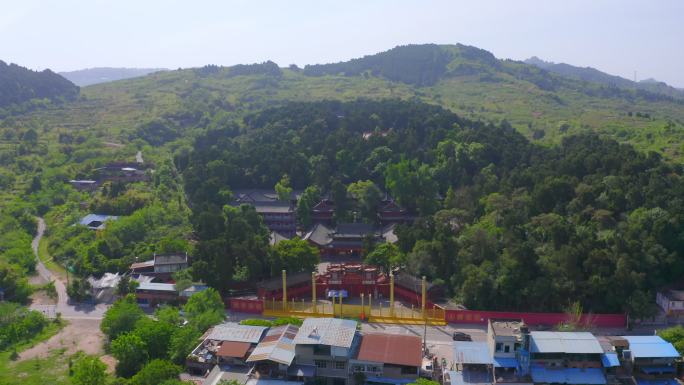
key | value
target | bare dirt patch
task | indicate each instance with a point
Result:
(39, 297)
(79, 334)
(110, 362)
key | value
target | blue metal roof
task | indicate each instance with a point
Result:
(610, 360)
(651, 347)
(466, 352)
(505, 362)
(657, 382)
(90, 218)
(589, 376)
(657, 369)
(564, 342)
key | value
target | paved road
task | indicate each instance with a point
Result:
(67, 308)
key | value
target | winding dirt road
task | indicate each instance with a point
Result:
(67, 308)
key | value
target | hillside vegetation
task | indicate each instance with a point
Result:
(593, 75)
(520, 227)
(19, 85)
(543, 106)
(531, 189)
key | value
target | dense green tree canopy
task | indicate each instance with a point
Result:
(520, 227)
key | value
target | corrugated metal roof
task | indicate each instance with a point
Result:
(589, 376)
(467, 352)
(138, 265)
(90, 218)
(564, 342)
(277, 346)
(610, 360)
(155, 286)
(670, 381)
(233, 349)
(231, 331)
(326, 331)
(391, 349)
(650, 347)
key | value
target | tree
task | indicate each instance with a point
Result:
(386, 256)
(121, 317)
(675, 336)
(283, 189)
(79, 289)
(126, 286)
(130, 352)
(183, 340)
(154, 372)
(295, 255)
(156, 335)
(368, 197)
(88, 370)
(205, 309)
(183, 280)
(310, 197)
(411, 183)
(423, 381)
(169, 315)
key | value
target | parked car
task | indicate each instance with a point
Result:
(460, 336)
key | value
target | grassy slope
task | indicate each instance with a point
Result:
(113, 109)
(52, 370)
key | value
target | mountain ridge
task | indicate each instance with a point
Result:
(594, 75)
(96, 75)
(19, 84)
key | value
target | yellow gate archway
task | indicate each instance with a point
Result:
(367, 311)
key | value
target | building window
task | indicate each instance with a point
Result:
(339, 365)
(507, 349)
(321, 350)
(321, 364)
(499, 345)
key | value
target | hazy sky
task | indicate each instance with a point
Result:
(616, 36)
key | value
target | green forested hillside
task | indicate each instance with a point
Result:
(471, 82)
(593, 75)
(521, 226)
(555, 189)
(19, 85)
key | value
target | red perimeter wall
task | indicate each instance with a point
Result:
(244, 305)
(534, 319)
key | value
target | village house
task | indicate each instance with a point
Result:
(672, 303)
(652, 360)
(387, 358)
(226, 344)
(506, 339)
(273, 356)
(566, 358)
(162, 266)
(84, 184)
(326, 344)
(122, 172)
(152, 293)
